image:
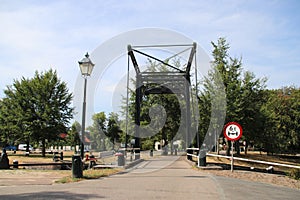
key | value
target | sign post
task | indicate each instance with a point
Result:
(232, 132)
(231, 163)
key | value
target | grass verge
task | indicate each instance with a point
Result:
(89, 174)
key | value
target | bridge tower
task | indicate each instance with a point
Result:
(175, 81)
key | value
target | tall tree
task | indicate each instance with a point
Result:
(43, 103)
(252, 99)
(9, 130)
(230, 70)
(241, 91)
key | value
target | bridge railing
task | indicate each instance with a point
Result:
(201, 159)
(199, 154)
(192, 152)
(255, 161)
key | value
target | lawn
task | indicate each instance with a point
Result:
(65, 176)
(89, 174)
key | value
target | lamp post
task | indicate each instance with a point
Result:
(86, 68)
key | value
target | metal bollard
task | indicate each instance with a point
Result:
(137, 155)
(151, 152)
(202, 158)
(15, 164)
(77, 166)
(121, 159)
(189, 151)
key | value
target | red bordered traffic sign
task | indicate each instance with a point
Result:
(233, 131)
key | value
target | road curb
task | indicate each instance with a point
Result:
(133, 163)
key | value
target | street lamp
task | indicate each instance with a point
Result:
(86, 68)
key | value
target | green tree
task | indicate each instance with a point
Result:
(283, 113)
(9, 130)
(113, 128)
(98, 131)
(243, 95)
(73, 138)
(230, 70)
(43, 107)
(18, 111)
(227, 70)
(252, 99)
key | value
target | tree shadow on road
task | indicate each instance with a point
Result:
(50, 195)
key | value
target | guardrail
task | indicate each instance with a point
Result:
(255, 161)
(17, 165)
(194, 152)
(105, 154)
(135, 153)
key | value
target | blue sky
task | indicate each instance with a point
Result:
(39, 35)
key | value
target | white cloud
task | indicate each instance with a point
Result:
(40, 37)
(43, 34)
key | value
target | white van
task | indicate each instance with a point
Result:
(23, 147)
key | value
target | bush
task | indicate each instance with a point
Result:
(147, 144)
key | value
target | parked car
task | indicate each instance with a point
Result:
(23, 147)
(10, 148)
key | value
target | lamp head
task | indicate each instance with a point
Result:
(86, 65)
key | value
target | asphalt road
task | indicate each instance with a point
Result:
(168, 177)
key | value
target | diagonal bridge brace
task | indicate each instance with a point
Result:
(169, 82)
